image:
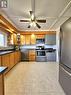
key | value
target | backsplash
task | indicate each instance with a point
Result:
(34, 46)
(6, 48)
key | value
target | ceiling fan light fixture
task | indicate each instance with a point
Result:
(33, 21)
(33, 24)
(32, 17)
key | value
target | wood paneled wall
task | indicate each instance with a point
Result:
(5, 24)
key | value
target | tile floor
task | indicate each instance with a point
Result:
(33, 78)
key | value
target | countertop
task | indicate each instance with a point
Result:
(33, 47)
(2, 69)
(7, 52)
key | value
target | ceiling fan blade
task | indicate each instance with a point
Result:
(41, 21)
(29, 26)
(38, 25)
(24, 20)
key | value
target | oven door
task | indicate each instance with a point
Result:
(40, 52)
(40, 56)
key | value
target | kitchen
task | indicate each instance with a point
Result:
(38, 46)
(25, 47)
(35, 47)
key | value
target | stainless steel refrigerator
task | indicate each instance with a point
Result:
(65, 57)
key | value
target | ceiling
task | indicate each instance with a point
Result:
(55, 12)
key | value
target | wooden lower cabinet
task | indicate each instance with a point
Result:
(17, 56)
(1, 85)
(32, 55)
(12, 60)
(32, 58)
(0, 60)
(6, 61)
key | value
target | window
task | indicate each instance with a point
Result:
(3, 39)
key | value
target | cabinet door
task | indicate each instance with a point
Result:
(31, 52)
(16, 57)
(33, 39)
(12, 63)
(27, 39)
(22, 37)
(40, 36)
(50, 39)
(6, 61)
(0, 60)
(31, 58)
(1, 86)
(32, 55)
(15, 38)
(19, 56)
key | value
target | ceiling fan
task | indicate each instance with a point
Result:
(33, 21)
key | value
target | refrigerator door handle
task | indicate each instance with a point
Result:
(66, 71)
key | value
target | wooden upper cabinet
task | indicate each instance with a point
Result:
(27, 39)
(40, 36)
(22, 39)
(33, 39)
(14, 38)
(0, 60)
(11, 39)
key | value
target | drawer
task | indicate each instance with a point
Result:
(31, 58)
(41, 59)
(31, 52)
(65, 80)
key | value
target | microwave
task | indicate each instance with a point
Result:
(40, 41)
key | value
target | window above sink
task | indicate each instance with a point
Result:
(3, 39)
